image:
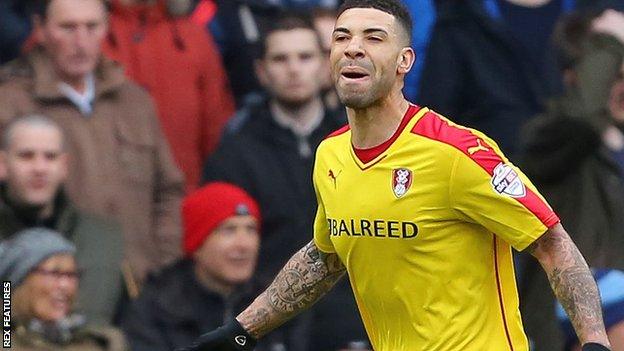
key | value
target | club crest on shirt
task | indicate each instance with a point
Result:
(401, 181)
(506, 181)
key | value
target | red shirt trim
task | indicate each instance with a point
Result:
(367, 155)
(337, 132)
(433, 127)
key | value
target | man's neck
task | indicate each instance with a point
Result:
(210, 283)
(375, 124)
(300, 118)
(79, 84)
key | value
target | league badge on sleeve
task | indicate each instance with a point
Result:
(506, 181)
(401, 181)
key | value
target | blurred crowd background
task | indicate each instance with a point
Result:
(156, 155)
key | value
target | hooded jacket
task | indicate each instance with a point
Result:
(176, 61)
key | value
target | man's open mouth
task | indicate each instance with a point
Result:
(354, 75)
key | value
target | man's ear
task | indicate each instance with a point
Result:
(406, 60)
(261, 72)
(38, 22)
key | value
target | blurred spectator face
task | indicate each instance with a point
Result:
(49, 291)
(325, 27)
(72, 33)
(33, 164)
(369, 53)
(228, 255)
(291, 67)
(616, 100)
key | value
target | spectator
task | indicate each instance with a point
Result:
(213, 281)
(238, 27)
(611, 286)
(268, 148)
(489, 63)
(41, 267)
(573, 153)
(324, 19)
(121, 166)
(33, 164)
(269, 152)
(177, 62)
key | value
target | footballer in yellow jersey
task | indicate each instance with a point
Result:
(425, 225)
(420, 213)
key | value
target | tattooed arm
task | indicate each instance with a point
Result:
(307, 276)
(572, 283)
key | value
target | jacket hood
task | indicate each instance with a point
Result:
(146, 15)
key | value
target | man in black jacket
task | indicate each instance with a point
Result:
(269, 151)
(214, 280)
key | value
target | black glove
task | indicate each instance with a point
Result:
(230, 337)
(592, 346)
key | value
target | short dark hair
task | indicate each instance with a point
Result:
(392, 7)
(286, 21)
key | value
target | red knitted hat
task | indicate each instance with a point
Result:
(204, 209)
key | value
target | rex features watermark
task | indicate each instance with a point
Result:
(6, 315)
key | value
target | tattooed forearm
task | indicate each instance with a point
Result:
(572, 283)
(307, 276)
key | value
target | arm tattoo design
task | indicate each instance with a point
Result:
(572, 283)
(307, 276)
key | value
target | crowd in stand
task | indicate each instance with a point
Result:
(156, 155)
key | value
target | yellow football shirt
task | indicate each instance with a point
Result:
(425, 230)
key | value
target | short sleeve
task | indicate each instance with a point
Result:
(487, 189)
(321, 228)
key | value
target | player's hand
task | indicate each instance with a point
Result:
(230, 337)
(592, 346)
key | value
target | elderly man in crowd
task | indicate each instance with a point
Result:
(121, 165)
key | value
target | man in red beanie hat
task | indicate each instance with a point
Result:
(211, 283)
